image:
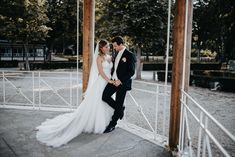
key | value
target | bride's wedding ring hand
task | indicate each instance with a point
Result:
(111, 82)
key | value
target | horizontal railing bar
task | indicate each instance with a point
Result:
(62, 109)
(48, 77)
(18, 103)
(50, 72)
(57, 89)
(58, 106)
(146, 91)
(44, 105)
(151, 83)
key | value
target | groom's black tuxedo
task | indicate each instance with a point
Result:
(125, 69)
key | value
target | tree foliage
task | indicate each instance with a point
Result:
(63, 21)
(142, 22)
(24, 21)
(214, 24)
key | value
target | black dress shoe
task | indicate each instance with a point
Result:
(122, 113)
(109, 129)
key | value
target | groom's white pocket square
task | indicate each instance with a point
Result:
(124, 59)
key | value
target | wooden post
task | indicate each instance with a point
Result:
(88, 38)
(177, 70)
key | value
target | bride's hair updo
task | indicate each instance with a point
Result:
(102, 43)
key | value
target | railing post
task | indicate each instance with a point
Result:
(199, 135)
(156, 110)
(39, 90)
(77, 90)
(204, 137)
(182, 123)
(70, 92)
(164, 111)
(4, 90)
(33, 91)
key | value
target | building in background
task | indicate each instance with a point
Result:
(15, 51)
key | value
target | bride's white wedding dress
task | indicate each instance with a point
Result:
(91, 116)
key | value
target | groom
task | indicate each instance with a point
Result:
(122, 71)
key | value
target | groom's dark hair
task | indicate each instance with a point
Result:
(118, 39)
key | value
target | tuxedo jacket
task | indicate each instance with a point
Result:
(126, 68)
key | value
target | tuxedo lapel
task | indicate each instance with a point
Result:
(123, 54)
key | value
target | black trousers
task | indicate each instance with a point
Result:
(116, 104)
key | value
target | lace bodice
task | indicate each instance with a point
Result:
(107, 65)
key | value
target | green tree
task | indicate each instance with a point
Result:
(142, 22)
(24, 20)
(63, 21)
(214, 24)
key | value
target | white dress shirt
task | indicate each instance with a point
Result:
(117, 59)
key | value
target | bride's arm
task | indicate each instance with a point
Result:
(100, 69)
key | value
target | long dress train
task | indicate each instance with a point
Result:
(91, 116)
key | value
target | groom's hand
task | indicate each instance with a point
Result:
(117, 83)
(111, 82)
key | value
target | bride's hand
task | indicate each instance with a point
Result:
(111, 81)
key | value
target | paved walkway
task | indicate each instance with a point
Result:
(18, 140)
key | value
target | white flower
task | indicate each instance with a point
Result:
(124, 59)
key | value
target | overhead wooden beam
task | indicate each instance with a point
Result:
(88, 38)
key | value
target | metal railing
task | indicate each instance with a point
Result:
(39, 89)
(149, 100)
(200, 139)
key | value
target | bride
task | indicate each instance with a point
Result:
(92, 115)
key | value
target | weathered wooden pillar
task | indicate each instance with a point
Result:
(88, 38)
(177, 67)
